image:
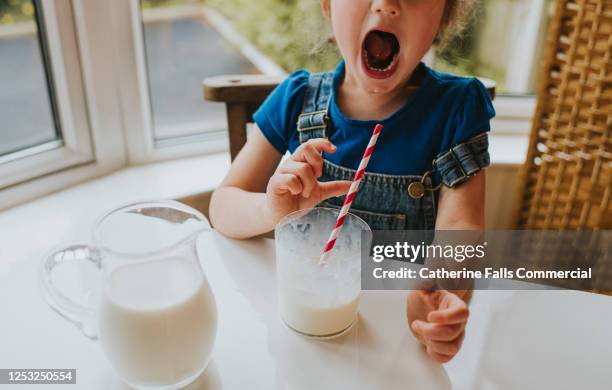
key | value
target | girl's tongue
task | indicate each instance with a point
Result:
(381, 48)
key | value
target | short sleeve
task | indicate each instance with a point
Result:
(469, 150)
(475, 116)
(277, 115)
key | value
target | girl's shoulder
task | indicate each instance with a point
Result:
(290, 91)
(277, 114)
(452, 86)
(295, 83)
(464, 99)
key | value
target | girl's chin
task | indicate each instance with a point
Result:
(377, 89)
(378, 86)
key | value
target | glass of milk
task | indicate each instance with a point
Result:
(319, 300)
(140, 290)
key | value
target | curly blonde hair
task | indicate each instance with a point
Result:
(457, 16)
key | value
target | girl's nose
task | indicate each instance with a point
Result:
(386, 7)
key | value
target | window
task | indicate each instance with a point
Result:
(182, 48)
(504, 42)
(60, 121)
(90, 86)
(28, 115)
(44, 123)
(176, 44)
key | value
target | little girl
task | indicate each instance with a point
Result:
(426, 171)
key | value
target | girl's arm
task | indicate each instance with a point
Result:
(462, 208)
(237, 206)
(257, 192)
(438, 319)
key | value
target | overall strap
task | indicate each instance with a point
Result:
(463, 161)
(455, 166)
(313, 122)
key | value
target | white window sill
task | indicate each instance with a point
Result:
(31, 229)
(508, 149)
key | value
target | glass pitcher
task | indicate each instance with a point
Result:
(140, 290)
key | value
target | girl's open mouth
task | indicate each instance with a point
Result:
(380, 54)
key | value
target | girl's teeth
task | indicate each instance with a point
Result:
(381, 70)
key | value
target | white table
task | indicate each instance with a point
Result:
(254, 349)
(526, 340)
(515, 339)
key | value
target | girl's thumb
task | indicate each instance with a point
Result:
(329, 189)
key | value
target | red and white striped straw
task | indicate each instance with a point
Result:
(352, 192)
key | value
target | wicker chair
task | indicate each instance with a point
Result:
(565, 182)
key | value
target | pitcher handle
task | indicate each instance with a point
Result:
(80, 315)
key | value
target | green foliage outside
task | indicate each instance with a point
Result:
(294, 33)
(13, 11)
(456, 55)
(167, 3)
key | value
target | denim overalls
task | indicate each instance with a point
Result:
(389, 202)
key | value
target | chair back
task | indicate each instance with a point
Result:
(565, 182)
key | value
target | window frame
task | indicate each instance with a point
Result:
(74, 147)
(514, 114)
(515, 111)
(133, 80)
(92, 144)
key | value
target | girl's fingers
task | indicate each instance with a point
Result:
(429, 297)
(330, 189)
(303, 172)
(308, 153)
(320, 144)
(437, 332)
(446, 348)
(281, 183)
(457, 313)
(440, 358)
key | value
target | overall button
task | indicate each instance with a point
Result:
(416, 190)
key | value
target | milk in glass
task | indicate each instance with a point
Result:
(315, 299)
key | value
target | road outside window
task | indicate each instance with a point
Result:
(27, 112)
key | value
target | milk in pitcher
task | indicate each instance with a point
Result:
(153, 322)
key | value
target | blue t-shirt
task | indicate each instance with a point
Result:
(443, 111)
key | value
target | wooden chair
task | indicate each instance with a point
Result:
(243, 94)
(565, 182)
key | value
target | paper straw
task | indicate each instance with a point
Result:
(352, 192)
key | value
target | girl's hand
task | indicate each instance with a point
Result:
(294, 185)
(439, 322)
